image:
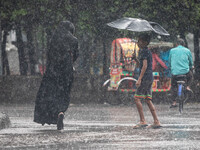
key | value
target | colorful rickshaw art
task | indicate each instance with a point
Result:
(124, 71)
(122, 66)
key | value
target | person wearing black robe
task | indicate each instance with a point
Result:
(53, 96)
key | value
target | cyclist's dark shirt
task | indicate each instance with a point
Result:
(146, 54)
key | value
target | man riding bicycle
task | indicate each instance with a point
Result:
(180, 63)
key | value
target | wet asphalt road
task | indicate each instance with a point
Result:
(103, 127)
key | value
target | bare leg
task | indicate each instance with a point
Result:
(60, 124)
(140, 111)
(153, 112)
(174, 103)
(60, 113)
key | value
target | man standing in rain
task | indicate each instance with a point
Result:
(53, 97)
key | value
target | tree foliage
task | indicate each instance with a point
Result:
(178, 17)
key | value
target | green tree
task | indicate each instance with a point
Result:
(40, 17)
(178, 16)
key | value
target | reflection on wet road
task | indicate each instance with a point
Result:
(103, 127)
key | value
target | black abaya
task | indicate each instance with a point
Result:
(53, 96)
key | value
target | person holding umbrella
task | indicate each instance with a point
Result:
(144, 83)
(145, 80)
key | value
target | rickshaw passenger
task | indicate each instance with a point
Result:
(156, 61)
(144, 83)
(158, 65)
(165, 74)
(136, 73)
(164, 56)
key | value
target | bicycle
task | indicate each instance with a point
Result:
(181, 93)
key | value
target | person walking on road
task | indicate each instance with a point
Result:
(144, 83)
(180, 63)
(53, 97)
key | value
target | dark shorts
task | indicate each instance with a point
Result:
(144, 91)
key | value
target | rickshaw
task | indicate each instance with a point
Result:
(124, 72)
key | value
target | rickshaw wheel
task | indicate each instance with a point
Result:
(126, 98)
(161, 97)
(112, 97)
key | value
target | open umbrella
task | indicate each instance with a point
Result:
(138, 25)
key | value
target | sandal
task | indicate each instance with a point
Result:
(140, 126)
(153, 126)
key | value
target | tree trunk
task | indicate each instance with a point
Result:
(0, 48)
(31, 50)
(86, 52)
(49, 34)
(5, 65)
(104, 58)
(196, 52)
(20, 45)
(182, 35)
(43, 51)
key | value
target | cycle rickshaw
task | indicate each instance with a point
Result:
(124, 72)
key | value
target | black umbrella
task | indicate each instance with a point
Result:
(138, 25)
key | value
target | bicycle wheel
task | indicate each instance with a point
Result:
(181, 97)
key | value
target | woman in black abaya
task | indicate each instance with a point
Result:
(53, 97)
